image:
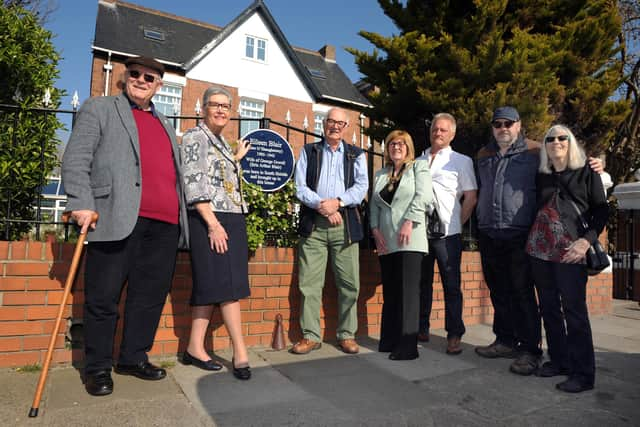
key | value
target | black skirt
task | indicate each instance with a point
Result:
(218, 277)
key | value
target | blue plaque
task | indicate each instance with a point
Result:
(269, 163)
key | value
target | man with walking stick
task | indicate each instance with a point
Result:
(122, 161)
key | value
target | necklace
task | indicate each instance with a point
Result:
(222, 158)
(394, 178)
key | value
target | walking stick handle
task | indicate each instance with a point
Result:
(33, 412)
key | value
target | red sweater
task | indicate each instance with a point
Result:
(159, 197)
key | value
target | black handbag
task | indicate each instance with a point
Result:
(435, 227)
(596, 257)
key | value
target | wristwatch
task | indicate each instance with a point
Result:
(340, 202)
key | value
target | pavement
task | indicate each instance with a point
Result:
(330, 388)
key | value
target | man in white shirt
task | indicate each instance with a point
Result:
(455, 196)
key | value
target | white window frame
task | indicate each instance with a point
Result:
(168, 92)
(318, 122)
(255, 45)
(252, 109)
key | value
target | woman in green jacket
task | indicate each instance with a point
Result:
(402, 192)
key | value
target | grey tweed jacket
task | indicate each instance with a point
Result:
(101, 168)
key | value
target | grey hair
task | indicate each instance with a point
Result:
(215, 90)
(444, 116)
(576, 157)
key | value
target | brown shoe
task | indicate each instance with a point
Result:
(349, 346)
(453, 345)
(422, 337)
(305, 346)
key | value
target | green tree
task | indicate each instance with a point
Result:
(554, 60)
(28, 142)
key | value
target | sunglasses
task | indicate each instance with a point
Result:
(149, 78)
(561, 138)
(499, 125)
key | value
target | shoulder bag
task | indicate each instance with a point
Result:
(596, 257)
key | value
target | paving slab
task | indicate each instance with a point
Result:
(330, 388)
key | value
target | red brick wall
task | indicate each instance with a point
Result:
(276, 109)
(32, 277)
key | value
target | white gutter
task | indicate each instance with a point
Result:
(346, 101)
(174, 64)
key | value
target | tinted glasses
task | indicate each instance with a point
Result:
(149, 78)
(561, 138)
(503, 123)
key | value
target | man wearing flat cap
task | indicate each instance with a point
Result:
(122, 162)
(506, 209)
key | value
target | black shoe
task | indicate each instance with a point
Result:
(241, 373)
(99, 383)
(549, 369)
(574, 385)
(525, 364)
(207, 365)
(404, 356)
(142, 370)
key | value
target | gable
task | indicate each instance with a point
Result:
(197, 49)
(227, 63)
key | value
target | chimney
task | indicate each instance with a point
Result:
(328, 52)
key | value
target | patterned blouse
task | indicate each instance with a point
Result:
(210, 171)
(549, 238)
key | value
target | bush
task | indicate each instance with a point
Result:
(273, 217)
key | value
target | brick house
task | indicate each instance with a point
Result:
(250, 56)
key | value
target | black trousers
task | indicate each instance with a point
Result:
(448, 253)
(146, 261)
(507, 271)
(562, 291)
(400, 273)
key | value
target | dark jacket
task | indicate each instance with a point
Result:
(350, 214)
(587, 193)
(507, 186)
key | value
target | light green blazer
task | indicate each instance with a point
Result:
(410, 201)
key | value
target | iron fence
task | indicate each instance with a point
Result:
(47, 210)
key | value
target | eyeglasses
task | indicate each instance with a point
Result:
(216, 106)
(499, 125)
(338, 123)
(149, 78)
(561, 138)
(397, 144)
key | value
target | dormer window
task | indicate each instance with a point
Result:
(151, 34)
(256, 49)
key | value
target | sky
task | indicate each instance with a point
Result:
(304, 23)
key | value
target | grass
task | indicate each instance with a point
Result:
(29, 368)
(167, 364)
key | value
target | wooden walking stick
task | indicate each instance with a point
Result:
(33, 412)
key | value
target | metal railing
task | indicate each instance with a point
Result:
(41, 223)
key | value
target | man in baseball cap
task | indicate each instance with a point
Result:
(506, 172)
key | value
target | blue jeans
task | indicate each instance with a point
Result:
(448, 253)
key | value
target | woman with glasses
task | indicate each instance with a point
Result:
(569, 195)
(219, 250)
(401, 194)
